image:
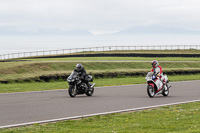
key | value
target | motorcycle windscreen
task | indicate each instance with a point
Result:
(73, 74)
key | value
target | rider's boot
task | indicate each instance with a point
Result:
(164, 82)
(89, 86)
(165, 87)
(86, 87)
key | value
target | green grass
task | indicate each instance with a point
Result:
(39, 86)
(31, 69)
(191, 51)
(69, 59)
(177, 119)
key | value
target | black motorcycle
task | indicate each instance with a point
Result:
(77, 86)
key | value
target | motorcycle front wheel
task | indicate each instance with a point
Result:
(72, 91)
(151, 91)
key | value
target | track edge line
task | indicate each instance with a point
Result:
(95, 114)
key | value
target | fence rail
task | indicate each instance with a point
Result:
(95, 49)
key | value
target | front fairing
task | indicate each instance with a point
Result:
(157, 82)
(73, 77)
(149, 76)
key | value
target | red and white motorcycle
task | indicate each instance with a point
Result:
(156, 86)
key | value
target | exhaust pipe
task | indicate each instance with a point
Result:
(93, 85)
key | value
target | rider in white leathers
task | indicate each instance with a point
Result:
(157, 70)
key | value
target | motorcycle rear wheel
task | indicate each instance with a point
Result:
(151, 91)
(72, 92)
(90, 92)
(166, 92)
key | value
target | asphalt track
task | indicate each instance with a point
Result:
(17, 108)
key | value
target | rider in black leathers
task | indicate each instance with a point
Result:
(83, 75)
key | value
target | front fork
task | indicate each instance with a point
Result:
(75, 87)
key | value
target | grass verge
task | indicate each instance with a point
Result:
(75, 59)
(40, 86)
(33, 70)
(56, 68)
(182, 118)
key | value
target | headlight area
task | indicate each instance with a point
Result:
(70, 80)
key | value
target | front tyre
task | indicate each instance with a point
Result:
(151, 91)
(72, 91)
(90, 92)
(166, 91)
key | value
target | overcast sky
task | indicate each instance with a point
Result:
(97, 16)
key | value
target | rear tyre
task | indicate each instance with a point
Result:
(166, 92)
(72, 92)
(151, 91)
(90, 92)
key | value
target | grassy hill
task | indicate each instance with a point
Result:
(34, 68)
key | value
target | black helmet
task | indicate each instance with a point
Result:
(79, 67)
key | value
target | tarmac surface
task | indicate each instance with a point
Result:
(16, 108)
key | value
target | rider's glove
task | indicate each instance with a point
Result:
(153, 77)
(82, 77)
